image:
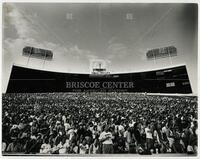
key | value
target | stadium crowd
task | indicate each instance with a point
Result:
(98, 123)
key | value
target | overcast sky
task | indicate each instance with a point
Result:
(119, 34)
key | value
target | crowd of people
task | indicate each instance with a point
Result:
(98, 123)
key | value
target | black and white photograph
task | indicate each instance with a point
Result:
(100, 79)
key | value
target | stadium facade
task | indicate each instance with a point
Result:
(168, 80)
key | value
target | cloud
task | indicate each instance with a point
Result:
(18, 20)
(112, 40)
(117, 50)
(142, 53)
(28, 31)
(82, 53)
(117, 47)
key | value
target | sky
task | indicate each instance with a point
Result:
(118, 34)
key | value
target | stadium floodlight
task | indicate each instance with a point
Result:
(161, 52)
(37, 53)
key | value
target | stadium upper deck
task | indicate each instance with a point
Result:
(168, 80)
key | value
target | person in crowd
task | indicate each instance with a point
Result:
(177, 146)
(149, 137)
(127, 138)
(84, 147)
(14, 146)
(158, 138)
(137, 136)
(95, 147)
(106, 139)
(45, 147)
(192, 144)
(4, 145)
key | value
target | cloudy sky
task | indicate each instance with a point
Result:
(119, 34)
